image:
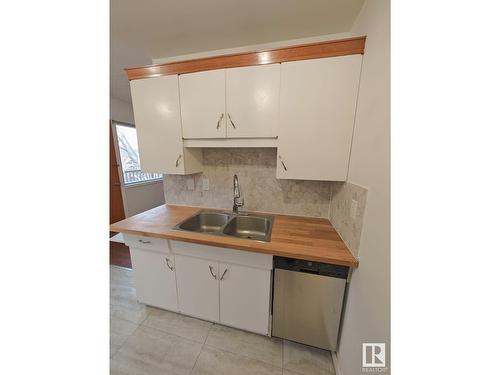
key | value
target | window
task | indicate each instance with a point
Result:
(129, 156)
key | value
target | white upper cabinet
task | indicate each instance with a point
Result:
(317, 109)
(306, 108)
(252, 101)
(231, 103)
(159, 131)
(203, 104)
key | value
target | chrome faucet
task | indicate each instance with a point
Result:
(237, 195)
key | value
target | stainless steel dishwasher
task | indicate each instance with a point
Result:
(307, 301)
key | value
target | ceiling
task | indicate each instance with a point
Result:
(147, 29)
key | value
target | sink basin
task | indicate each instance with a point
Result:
(249, 227)
(207, 222)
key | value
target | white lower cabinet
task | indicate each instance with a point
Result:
(244, 297)
(198, 287)
(154, 277)
(227, 286)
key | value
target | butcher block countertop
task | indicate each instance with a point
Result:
(292, 236)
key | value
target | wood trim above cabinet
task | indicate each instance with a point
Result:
(340, 47)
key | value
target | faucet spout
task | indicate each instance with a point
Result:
(237, 195)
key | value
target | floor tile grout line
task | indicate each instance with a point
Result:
(241, 355)
(159, 330)
(124, 341)
(156, 329)
(141, 324)
(132, 333)
(295, 371)
(208, 333)
(128, 336)
(201, 349)
(204, 345)
(283, 355)
(169, 333)
(129, 320)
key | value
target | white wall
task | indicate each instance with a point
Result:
(136, 198)
(367, 313)
(121, 111)
(254, 47)
(139, 198)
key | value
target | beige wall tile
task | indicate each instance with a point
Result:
(262, 191)
(340, 212)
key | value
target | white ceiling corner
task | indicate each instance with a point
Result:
(152, 29)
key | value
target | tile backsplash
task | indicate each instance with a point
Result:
(262, 191)
(349, 228)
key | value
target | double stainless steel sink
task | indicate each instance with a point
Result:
(241, 225)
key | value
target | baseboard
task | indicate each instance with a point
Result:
(335, 363)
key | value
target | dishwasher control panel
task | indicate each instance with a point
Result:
(317, 268)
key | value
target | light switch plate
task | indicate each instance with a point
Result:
(190, 183)
(206, 184)
(354, 208)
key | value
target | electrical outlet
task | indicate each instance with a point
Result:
(354, 208)
(190, 183)
(206, 184)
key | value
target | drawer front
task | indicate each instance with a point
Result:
(244, 258)
(147, 243)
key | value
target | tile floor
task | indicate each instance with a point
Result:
(150, 341)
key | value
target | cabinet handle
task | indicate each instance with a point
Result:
(220, 119)
(212, 272)
(178, 160)
(231, 120)
(168, 264)
(142, 241)
(282, 163)
(224, 274)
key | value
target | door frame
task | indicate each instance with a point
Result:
(118, 161)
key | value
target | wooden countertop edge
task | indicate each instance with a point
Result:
(240, 244)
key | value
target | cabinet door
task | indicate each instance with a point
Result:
(317, 108)
(244, 297)
(158, 124)
(198, 287)
(252, 98)
(203, 104)
(154, 277)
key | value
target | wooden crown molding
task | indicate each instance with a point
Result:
(340, 47)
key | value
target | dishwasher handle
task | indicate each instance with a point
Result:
(305, 270)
